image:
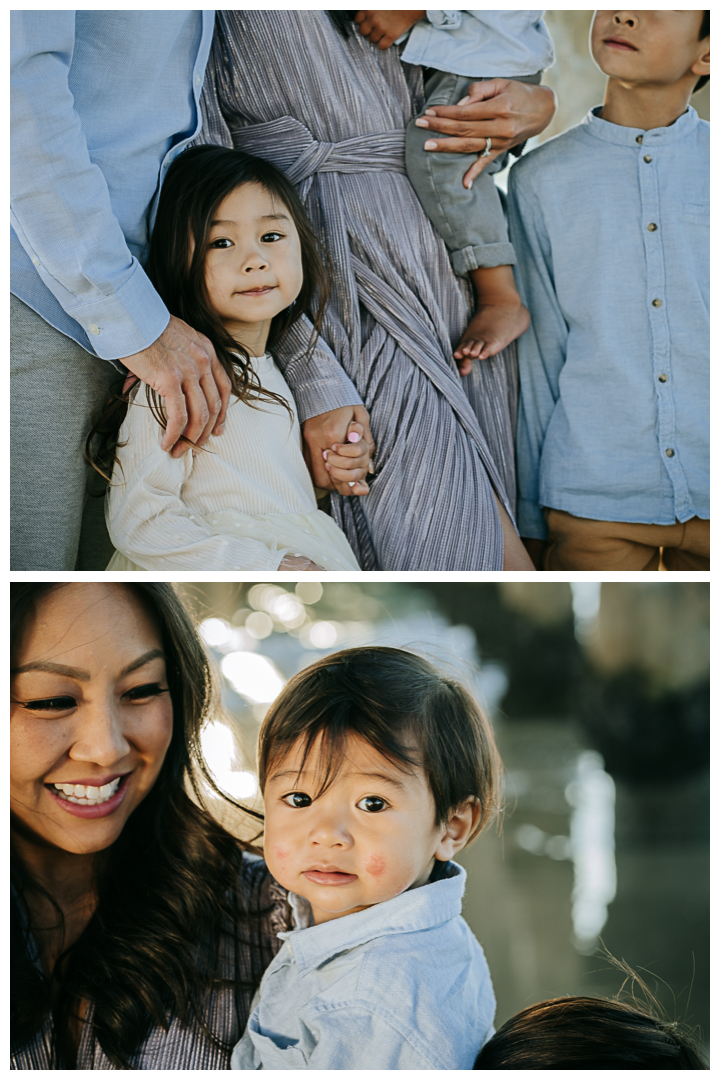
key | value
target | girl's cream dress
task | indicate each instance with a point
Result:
(242, 502)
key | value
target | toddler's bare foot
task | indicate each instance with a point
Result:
(492, 327)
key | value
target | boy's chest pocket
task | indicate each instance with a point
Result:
(697, 213)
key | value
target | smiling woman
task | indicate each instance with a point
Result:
(140, 927)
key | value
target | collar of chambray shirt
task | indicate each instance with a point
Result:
(413, 910)
(627, 136)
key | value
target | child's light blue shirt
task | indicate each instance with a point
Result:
(611, 229)
(481, 44)
(401, 985)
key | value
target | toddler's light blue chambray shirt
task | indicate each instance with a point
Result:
(611, 230)
(102, 102)
(477, 44)
(401, 985)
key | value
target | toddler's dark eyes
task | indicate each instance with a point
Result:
(372, 804)
(297, 799)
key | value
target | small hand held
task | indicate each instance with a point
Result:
(298, 562)
(181, 366)
(383, 28)
(326, 434)
(505, 111)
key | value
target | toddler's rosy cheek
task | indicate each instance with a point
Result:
(281, 854)
(375, 865)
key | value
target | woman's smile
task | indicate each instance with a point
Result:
(90, 800)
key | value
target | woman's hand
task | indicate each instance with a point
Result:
(298, 562)
(503, 110)
(328, 430)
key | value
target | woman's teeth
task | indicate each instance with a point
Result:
(87, 795)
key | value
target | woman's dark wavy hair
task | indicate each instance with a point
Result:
(196, 183)
(407, 710)
(168, 888)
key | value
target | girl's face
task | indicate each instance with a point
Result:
(91, 717)
(253, 267)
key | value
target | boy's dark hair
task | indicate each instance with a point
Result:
(704, 32)
(589, 1033)
(196, 183)
(407, 710)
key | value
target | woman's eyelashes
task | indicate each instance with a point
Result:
(145, 692)
(65, 703)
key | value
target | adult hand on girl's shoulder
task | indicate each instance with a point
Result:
(385, 27)
(182, 367)
(503, 110)
(322, 432)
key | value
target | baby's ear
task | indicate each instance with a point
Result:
(460, 826)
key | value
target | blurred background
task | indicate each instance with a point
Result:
(599, 696)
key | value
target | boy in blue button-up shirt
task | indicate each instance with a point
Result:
(376, 770)
(610, 226)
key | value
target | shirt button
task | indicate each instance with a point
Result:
(652, 227)
(93, 328)
(638, 138)
(197, 80)
(657, 303)
(669, 453)
(662, 378)
(647, 159)
(36, 262)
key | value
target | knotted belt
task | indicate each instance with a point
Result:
(288, 144)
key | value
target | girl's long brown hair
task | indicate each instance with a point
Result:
(196, 183)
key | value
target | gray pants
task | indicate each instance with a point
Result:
(471, 223)
(55, 387)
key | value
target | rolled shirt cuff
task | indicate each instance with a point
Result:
(472, 258)
(444, 20)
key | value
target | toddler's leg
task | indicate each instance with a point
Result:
(472, 224)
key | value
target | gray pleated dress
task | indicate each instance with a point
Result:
(331, 112)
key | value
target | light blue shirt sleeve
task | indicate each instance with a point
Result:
(60, 205)
(541, 353)
(481, 44)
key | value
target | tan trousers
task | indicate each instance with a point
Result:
(576, 543)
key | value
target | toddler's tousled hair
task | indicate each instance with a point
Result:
(589, 1033)
(407, 710)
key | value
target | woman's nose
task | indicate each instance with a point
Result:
(99, 738)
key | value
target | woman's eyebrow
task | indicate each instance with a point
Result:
(52, 668)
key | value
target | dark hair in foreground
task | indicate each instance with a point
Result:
(196, 183)
(589, 1033)
(168, 887)
(405, 708)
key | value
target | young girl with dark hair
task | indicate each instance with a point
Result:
(231, 253)
(140, 927)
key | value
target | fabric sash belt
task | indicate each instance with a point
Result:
(288, 144)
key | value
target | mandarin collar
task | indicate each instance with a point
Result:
(595, 126)
(416, 909)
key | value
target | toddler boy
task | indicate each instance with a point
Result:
(610, 223)
(375, 770)
(464, 47)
